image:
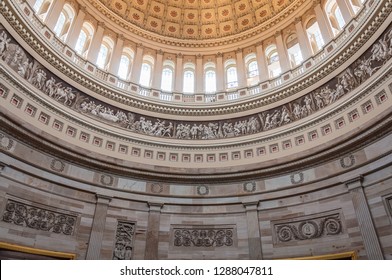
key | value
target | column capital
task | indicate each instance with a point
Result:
(160, 51)
(239, 50)
(101, 24)
(155, 207)
(297, 20)
(354, 183)
(83, 8)
(251, 205)
(103, 199)
(278, 33)
(259, 44)
(2, 166)
(121, 37)
(139, 46)
(315, 3)
(219, 54)
(199, 56)
(179, 55)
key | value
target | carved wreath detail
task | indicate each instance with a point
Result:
(203, 237)
(309, 229)
(38, 218)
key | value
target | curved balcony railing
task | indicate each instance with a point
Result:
(223, 96)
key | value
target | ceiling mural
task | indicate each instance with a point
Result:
(197, 19)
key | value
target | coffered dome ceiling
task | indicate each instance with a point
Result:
(198, 19)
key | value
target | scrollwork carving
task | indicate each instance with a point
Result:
(309, 228)
(206, 237)
(38, 218)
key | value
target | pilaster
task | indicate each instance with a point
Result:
(306, 48)
(137, 64)
(254, 237)
(158, 67)
(54, 13)
(324, 25)
(76, 27)
(116, 57)
(261, 63)
(96, 43)
(98, 227)
(179, 74)
(365, 221)
(283, 58)
(199, 74)
(346, 9)
(152, 242)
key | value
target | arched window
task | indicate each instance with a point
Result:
(252, 69)
(210, 77)
(125, 63)
(167, 76)
(314, 35)
(231, 74)
(294, 50)
(146, 71)
(41, 8)
(189, 78)
(251, 65)
(271, 53)
(334, 15)
(84, 39)
(64, 22)
(105, 52)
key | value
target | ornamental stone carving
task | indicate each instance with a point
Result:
(308, 228)
(6, 143)
(297, 178)
(347, 161)
(203, 190)
(249, 186)
(57, 165)
(123, 246)
(38, 218)
(156, 188)
(106, 180)
(43, 80)
(203, 237)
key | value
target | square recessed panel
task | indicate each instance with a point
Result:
(136, 16)
(191, 16)
(226, 27)
(173, 14)
(119, 6)
(154, 23)
(225, 13)
(263, 13)
(208, 31)
(190, 31)
(242, 7)
(157, 9)
(208, 16)
(245, 22)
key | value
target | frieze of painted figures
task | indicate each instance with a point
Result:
(349, 79)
